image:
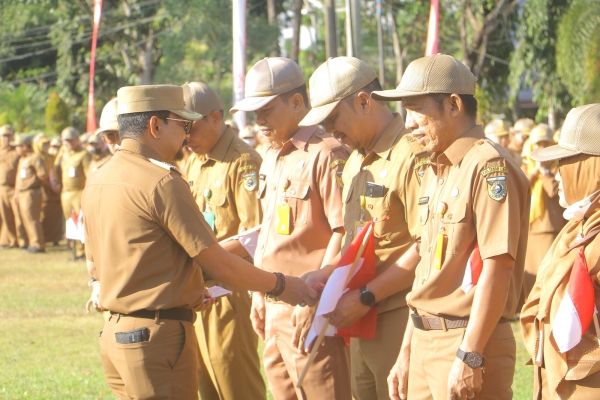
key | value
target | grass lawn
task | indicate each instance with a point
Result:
(50, 345)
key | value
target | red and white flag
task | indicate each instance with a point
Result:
(74, 226)
(248, 239)
(473, 270)
(334, 289)
(432, 32)
(577, 307)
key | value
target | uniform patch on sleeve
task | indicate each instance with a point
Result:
(246, 168)
(337, 162)
(489, 170)
(338, 178)
(249, 181)
(497, 187)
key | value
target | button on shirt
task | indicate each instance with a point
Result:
(397, 162)
(31, 173)
(230, 173)
(303, 173)
(142, 229)
(478, 211)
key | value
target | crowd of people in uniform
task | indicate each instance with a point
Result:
(469, 234)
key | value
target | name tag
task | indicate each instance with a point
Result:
(423, 200)
(283, 219)
(72, 172)
(375, 190)
(23, 173)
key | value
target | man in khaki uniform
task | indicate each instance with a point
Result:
(301, 230)
(12, 233)
(520, 136)
(381, 181)
(222, 173)
(52, 217)
(474, 214)
(149, 253)
(72, 166)
(31, 177)
(109, 126)
(99, 154)
(497, 131)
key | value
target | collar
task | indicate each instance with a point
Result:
(300, 138)
(219, 150)
(133, 146)
(384, 144)
(459, 148)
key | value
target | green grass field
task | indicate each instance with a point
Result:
(50, 345)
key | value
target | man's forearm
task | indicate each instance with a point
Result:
(333, 248)
(489, 302)
(398, 276)
(234, 246)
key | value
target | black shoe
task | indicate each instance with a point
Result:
(76, 258)
(54, 244)
(24, 248)
(34, 250)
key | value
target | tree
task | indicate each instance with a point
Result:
(57, 114)
(23, 106)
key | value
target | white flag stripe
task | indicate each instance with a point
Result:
(566, 327)
(467, 283)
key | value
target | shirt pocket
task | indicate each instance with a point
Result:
(218, 205)
(457, 229)
(378, 208)
(297, 198)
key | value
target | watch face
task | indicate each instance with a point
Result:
(367, 298)
(473, 360)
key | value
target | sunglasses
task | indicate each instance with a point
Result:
(187, 125)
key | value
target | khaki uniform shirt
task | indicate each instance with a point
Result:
(32, 173)
(9, 159)
(552, 220)
(96, 164)
(229, 175)
(74, 167)
(310, 162)
(397, 162)
(487, 198)
(143, 248)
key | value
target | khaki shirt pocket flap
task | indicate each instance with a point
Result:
(298, 190)
(456, 213)
(217, 199)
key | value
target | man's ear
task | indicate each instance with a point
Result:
(456, 104)
(363, 102)
(297, 101)
(215, 117)
(153, 124)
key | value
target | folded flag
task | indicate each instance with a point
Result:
(248, 239)
(74, 226)
(473, 270)
(334, 289)
(576, 309)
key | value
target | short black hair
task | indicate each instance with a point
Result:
(301, 89)
(134, 125)
(468, 100)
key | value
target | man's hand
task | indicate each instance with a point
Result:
(302, 319)
(316, 279)
(463, 381)
(348, 310)
(398, 377)
(208, 300)
(298, 292)
(257, 314)
(94, 298)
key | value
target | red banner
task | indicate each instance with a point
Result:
(432, 33)
(91, 113)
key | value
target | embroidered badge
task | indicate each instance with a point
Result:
(497, 187)
(489, 170)
(336, 163)
(249, 181)
(338, 178)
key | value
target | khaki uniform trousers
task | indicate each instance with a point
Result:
(328, 376)
(432, 354)
(53, 221)
(72, 201)
(162, 368)
(30, 210)
(229, 365)
(373, 359)
(13, 232)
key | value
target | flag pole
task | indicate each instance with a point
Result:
(319, 340)
(596, 325)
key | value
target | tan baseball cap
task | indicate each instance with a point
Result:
(524, 125)
(440, 73)
(144, 98)
(7, 130)
(579, 135)
(56, 142)
(541, 133)
(69, 133)
(40, 138)
(108, 118)
(22, 139)
(201, 98)
(267, 79)
(94, 139)
(337, 78)
(496, 127)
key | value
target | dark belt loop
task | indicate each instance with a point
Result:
(157, 317)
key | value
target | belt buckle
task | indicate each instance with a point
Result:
(418, 322)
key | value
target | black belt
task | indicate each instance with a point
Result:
(425, 323)
(179, 314)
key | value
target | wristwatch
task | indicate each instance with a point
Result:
(471, 358)
(367, 297)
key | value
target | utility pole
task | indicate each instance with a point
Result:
(295, 47)
(330, 29)
(272, 17)
(356, 28)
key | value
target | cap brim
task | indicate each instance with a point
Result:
(187, 114)
(394, 94)
(318, 114)
(101, 131)
(251, 104)
(551, 153)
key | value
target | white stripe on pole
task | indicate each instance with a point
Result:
(239, 58)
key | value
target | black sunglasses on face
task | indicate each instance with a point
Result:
(187, 125)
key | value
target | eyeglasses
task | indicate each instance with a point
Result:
(187, 125)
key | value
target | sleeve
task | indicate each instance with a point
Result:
(501, 196)
(174, 208)
(245, 186)
(413, 173)
(329, 179)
